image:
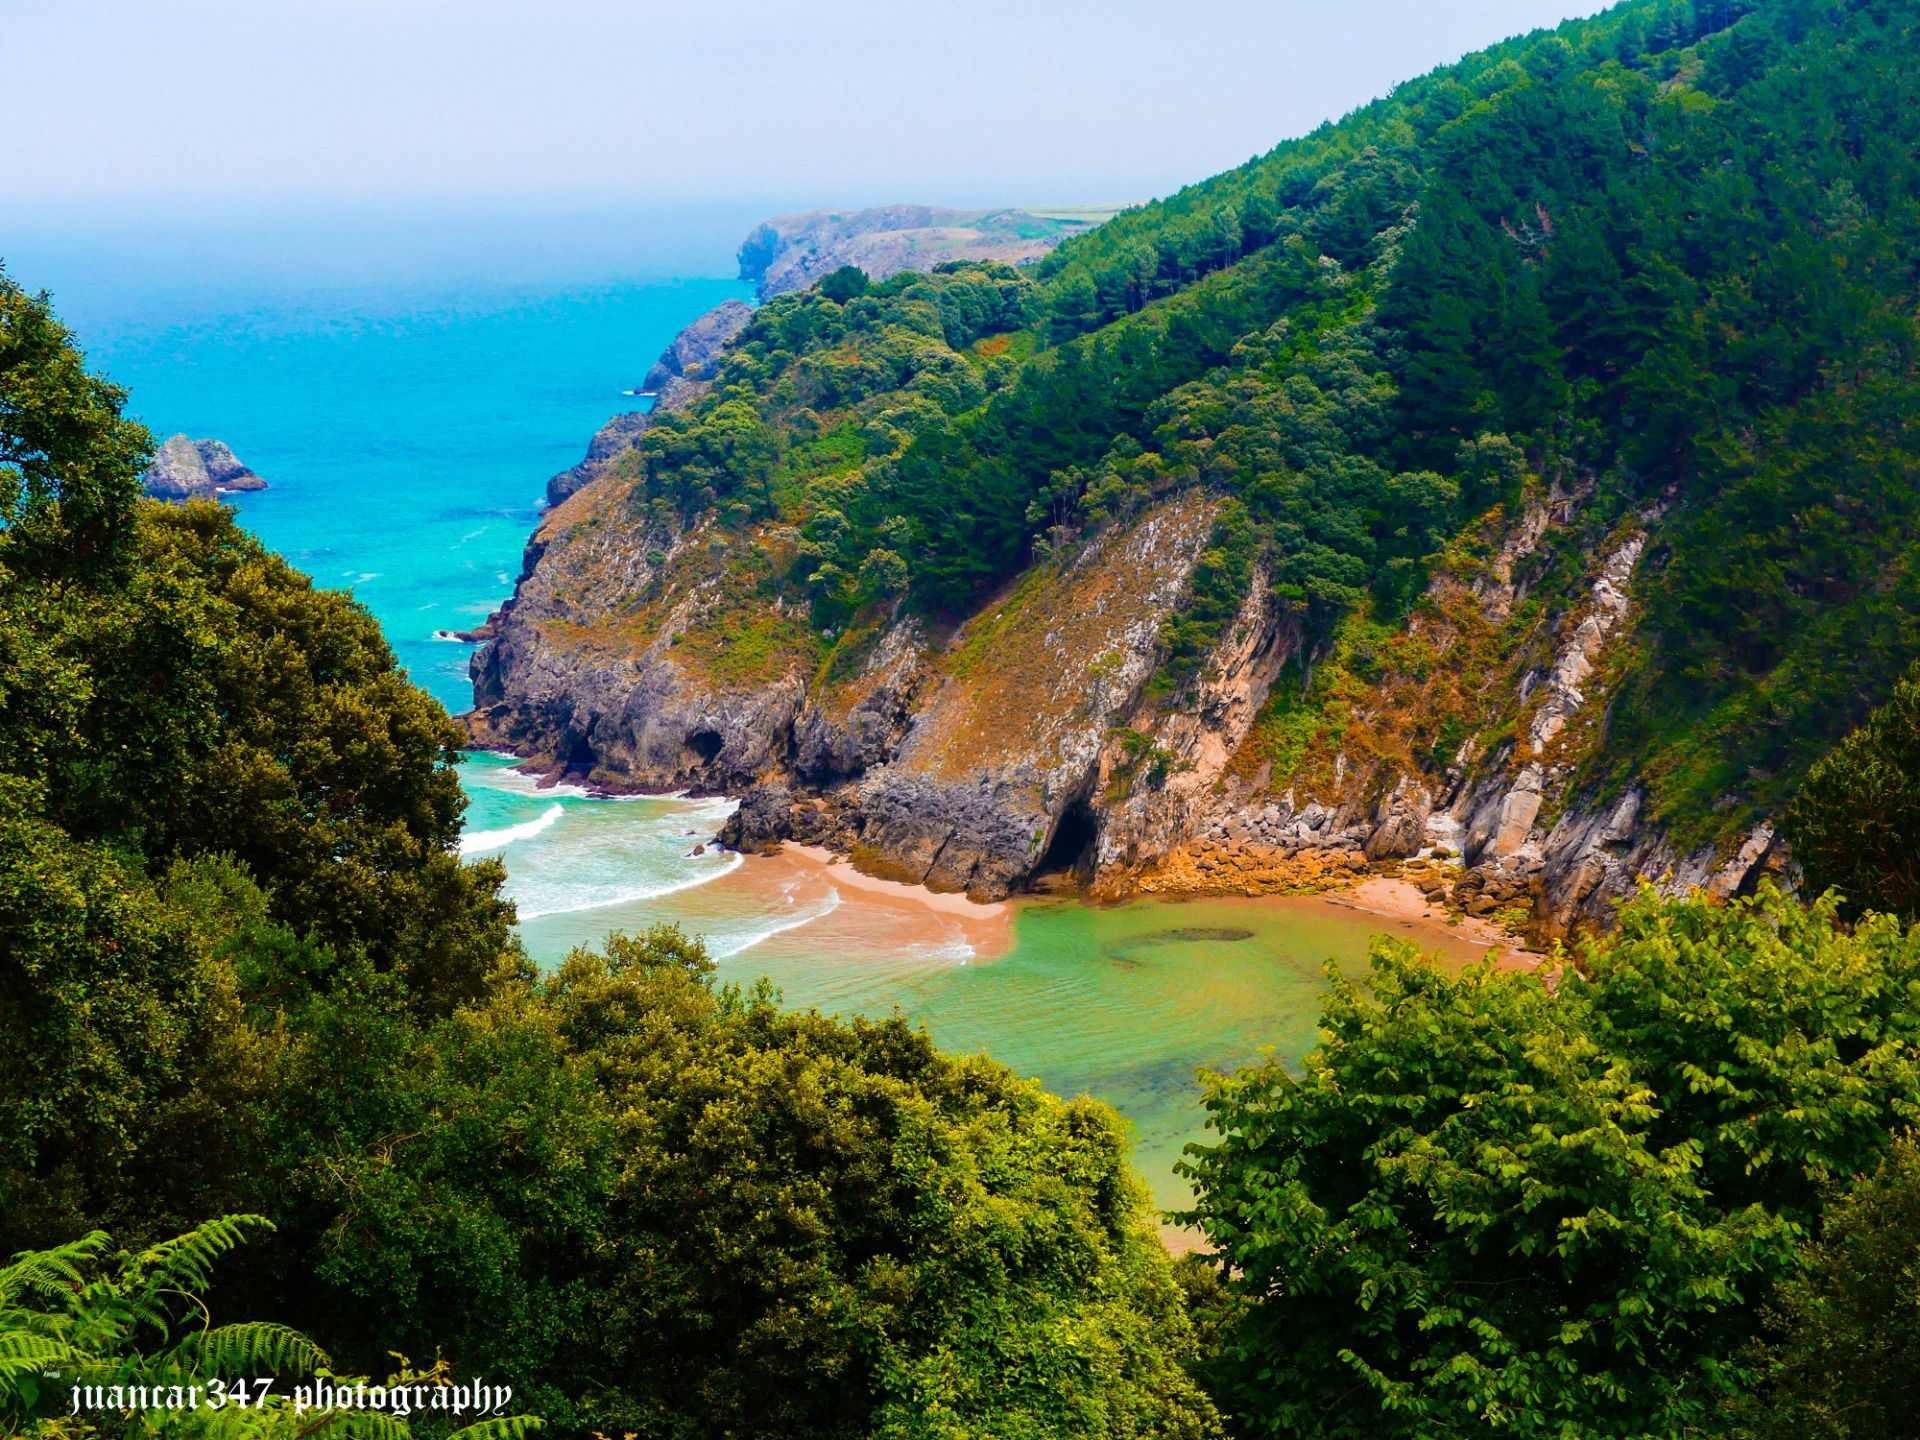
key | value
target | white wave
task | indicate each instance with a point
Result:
(511, 780)
(728, 949)
(482, 840)
(630, 897)
(949, 951)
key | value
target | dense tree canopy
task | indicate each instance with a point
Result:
(1493, 1203)
(1854, 821)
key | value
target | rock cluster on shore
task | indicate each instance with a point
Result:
(188, 469)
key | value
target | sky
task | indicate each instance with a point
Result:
(198, 104)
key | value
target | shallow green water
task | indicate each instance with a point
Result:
(1123, 1003)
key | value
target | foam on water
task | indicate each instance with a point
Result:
(588, 897)
(728, 949)
(476, 842)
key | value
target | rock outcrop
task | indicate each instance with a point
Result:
(696, 347)
(188, 469)
(913, 762)
(790, 252)
(1032, 741)
(609, 443)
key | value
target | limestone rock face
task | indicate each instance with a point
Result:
(1002, 750)
(187, 469)
(1034, 741)
(952, 764)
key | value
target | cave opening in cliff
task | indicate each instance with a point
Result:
(1071, 850)
(706, 744)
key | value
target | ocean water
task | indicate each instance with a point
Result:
(405, 384)
(404, 420)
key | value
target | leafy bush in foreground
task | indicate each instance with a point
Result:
(1493, 1202)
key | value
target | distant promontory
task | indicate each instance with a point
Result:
(790, 252)
(188, 469)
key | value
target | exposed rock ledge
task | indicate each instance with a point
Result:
(187, 469)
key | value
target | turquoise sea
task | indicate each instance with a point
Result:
(405, 383)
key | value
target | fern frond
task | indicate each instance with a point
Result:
(23, 1349)
(50, 1273)
(186, 1261)
(255, 1347)
(507, 1427)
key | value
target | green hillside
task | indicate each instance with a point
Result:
(1666, 256)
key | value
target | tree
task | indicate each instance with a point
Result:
(844, 284)
(805, 1227)
(1458, 1219)
(1853, 822)
(1782, 1045)
(1838, 1355)
(69, 460)
(1553, 1207)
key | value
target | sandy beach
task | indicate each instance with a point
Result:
(1428, 925)
(872, 914)
(890, 911)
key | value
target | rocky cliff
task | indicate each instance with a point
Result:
(650, 648)
(1419, 496)
(790, 252)
(1032, 739)
(187, 469)
(695, 348)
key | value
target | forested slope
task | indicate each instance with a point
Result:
(1553, 421)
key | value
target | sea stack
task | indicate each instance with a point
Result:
(188, 469)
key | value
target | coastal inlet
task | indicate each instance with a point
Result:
(1120, 1002)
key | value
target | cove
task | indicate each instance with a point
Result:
(1122, 1002)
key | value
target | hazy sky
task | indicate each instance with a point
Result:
(834, 102)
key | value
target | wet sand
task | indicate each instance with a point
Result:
(991, 922)
(1429, 926)
(872, 915)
